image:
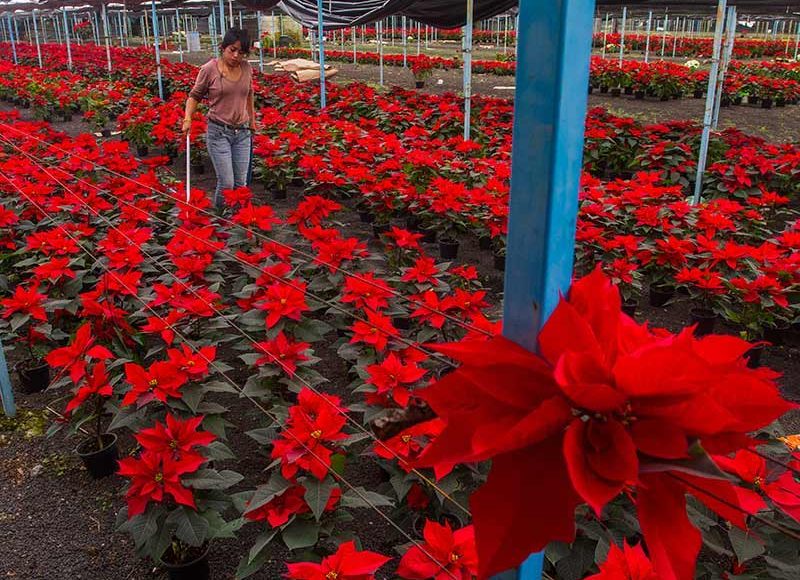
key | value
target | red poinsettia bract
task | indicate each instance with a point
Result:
(628, 563)
(607, 407)
(346, 564)
(445, 554)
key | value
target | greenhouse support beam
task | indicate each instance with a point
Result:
(274, 38)
(6, 392)
(221, 18)
(11, 36)
(261, 44)
(622, 35)
(107, 35)
(797, 41)
(405, 43)
(709, 112)
(355, 46)
(36, 37)
(553, 52)
(664, 34)
(158, 51)
(178, 30)
(321, 34)
(380, 51)
(467, 49)
(605, 35)
(730, 32)
(649, 31)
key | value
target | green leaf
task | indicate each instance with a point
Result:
(318, 493)
(267, 492)
(311, 330)
(301, 533)
(745, 545)
(361, 498)
(218, 451)
(191, 527)
(247, 568)
(213, 479)
(261, 542)
(580, 559)
(143, 526)
(263, 436)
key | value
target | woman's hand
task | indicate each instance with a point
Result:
(187, 126)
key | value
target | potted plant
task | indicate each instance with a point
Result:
(27, 318)
(422, 69)
(706, 287)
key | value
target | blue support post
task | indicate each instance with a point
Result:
(708, 117)
(321, 34)
(11, 36)
(622, 35)
(158, 50)
(553, 51)
(178, 30)
(649, 31)
(6, 394)
(467, 48)
(36, 35)
(221, 18)
(260, 44)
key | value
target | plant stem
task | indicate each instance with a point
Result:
(98, 424)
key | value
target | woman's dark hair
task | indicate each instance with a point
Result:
(234, 34)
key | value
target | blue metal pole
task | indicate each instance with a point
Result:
(622, 34)
(380, 50)
(158, 51)
(212, 31)
(178, 30)
(6, 394)
(553, 51)
(649, 30)
(321, 34)
(221, 18)
(708, 117)
(730, 34)
(260, 44)
(66, 37)
(12, 37)
(468, 71)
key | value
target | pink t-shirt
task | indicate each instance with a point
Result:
(227, 100)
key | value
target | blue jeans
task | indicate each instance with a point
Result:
(229, 150)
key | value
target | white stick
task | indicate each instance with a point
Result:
(188, 166)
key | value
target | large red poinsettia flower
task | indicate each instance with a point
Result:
(446, 554)
(74, 355)
(154, 475)
(28, 301)
(160, 381)
(628, 563)
(281, 508)
(345, 564)
(609, 405)
(174, 437)
(394, 376)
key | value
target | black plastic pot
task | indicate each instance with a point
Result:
(379, 229)
(752, 100)
(698, 94)
(99, 463)
(142, 151)
(419, 84)
(753, 356)
(401, 322)
(639, 95)
(725, 102)
(766, 103)
(105, 133)
(429, 237)
(616, 92)
(780, 102)
(705, 319)
(366, 217)
(659, 295)
(279, 193)
(777, 335)
(628, 90)
(67, 118)
(591, 89)
(197, 569)
(736, 100)
(198, 168)
(629, 307)
(603, 89)
(485, 243)
(500, 262)
(448, 249)
(412, 223)
(34, 379)
(664, 98)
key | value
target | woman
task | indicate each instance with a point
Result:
(228, 83)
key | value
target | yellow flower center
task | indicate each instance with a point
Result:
(316, 434)
(159, 477)
(153, 383)
(758, 481)
(405, 438)
(332, 575)
(283, 300)
(454, 557)
(190, 363)
(173, 444)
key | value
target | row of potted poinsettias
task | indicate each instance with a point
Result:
(693, 46)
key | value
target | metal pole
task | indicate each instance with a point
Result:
(36, 35)
(44, 28)
(6, 392)
(730, 32)
(274, 38)
(212, 30)
(675, 37)
(260, 45)
(178, 30)
(468, 71)
(221, 18)
(664, 34)
(321, 30)
(419, 37)
(649, 30)
(405, 44)
(11, 37)
(353, 32)
(230, 14)
(426, 37)
(158, 51)
(797, 41)
(709, 112)
(605, 36)
(505, 34)
(553, 46)
(104, 15)
(240, 19)
(622, 35)
(380, 50)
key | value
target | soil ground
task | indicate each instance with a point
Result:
(57, 523)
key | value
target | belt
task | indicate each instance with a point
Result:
(226, 126)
